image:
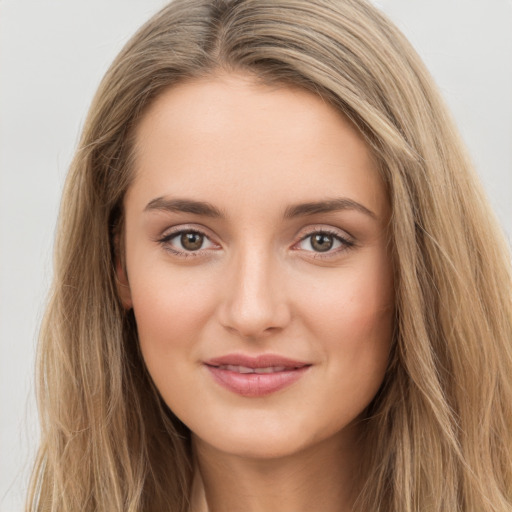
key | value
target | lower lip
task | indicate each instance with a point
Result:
(256, 384)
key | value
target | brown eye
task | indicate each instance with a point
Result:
(322, 242)
(188, 242)
(191, 241)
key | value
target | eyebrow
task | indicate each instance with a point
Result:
(184, 205)
(327, 206)
(299, 210)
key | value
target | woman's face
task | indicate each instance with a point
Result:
(257, 265)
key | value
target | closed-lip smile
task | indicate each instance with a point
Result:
(251, 376)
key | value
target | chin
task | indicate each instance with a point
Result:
(257, 447)
(264, 439)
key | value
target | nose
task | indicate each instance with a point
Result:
(255, 302)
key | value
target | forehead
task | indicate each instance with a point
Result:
(233, 139)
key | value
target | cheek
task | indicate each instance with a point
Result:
(351, 321)
(170, 308)
(354, 306)
(171, 311)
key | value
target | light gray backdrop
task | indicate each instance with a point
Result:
(52, 56)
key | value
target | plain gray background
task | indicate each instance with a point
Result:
(52, 56)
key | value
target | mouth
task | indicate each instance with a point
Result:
(255, 376)
(246, 369)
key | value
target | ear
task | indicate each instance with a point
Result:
(123, 286)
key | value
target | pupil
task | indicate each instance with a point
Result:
(191, 241)
(321, 242)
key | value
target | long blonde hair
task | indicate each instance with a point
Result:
(439, 432)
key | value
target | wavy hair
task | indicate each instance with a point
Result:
(439, 432)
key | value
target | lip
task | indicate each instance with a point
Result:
(255, 376)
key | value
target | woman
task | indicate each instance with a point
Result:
(277, 284)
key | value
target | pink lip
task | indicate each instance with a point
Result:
(285, 372)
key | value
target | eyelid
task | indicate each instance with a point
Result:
(347, 241)
(175, 231)
(179, 228)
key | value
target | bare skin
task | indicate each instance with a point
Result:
(313, 479)
(256, 228)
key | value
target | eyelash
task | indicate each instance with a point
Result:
(165, 240)
(345, 242)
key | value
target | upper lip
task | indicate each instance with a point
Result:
(261, 361)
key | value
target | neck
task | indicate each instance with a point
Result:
(318, 478)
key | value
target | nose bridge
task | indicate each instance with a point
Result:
(255, 301)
